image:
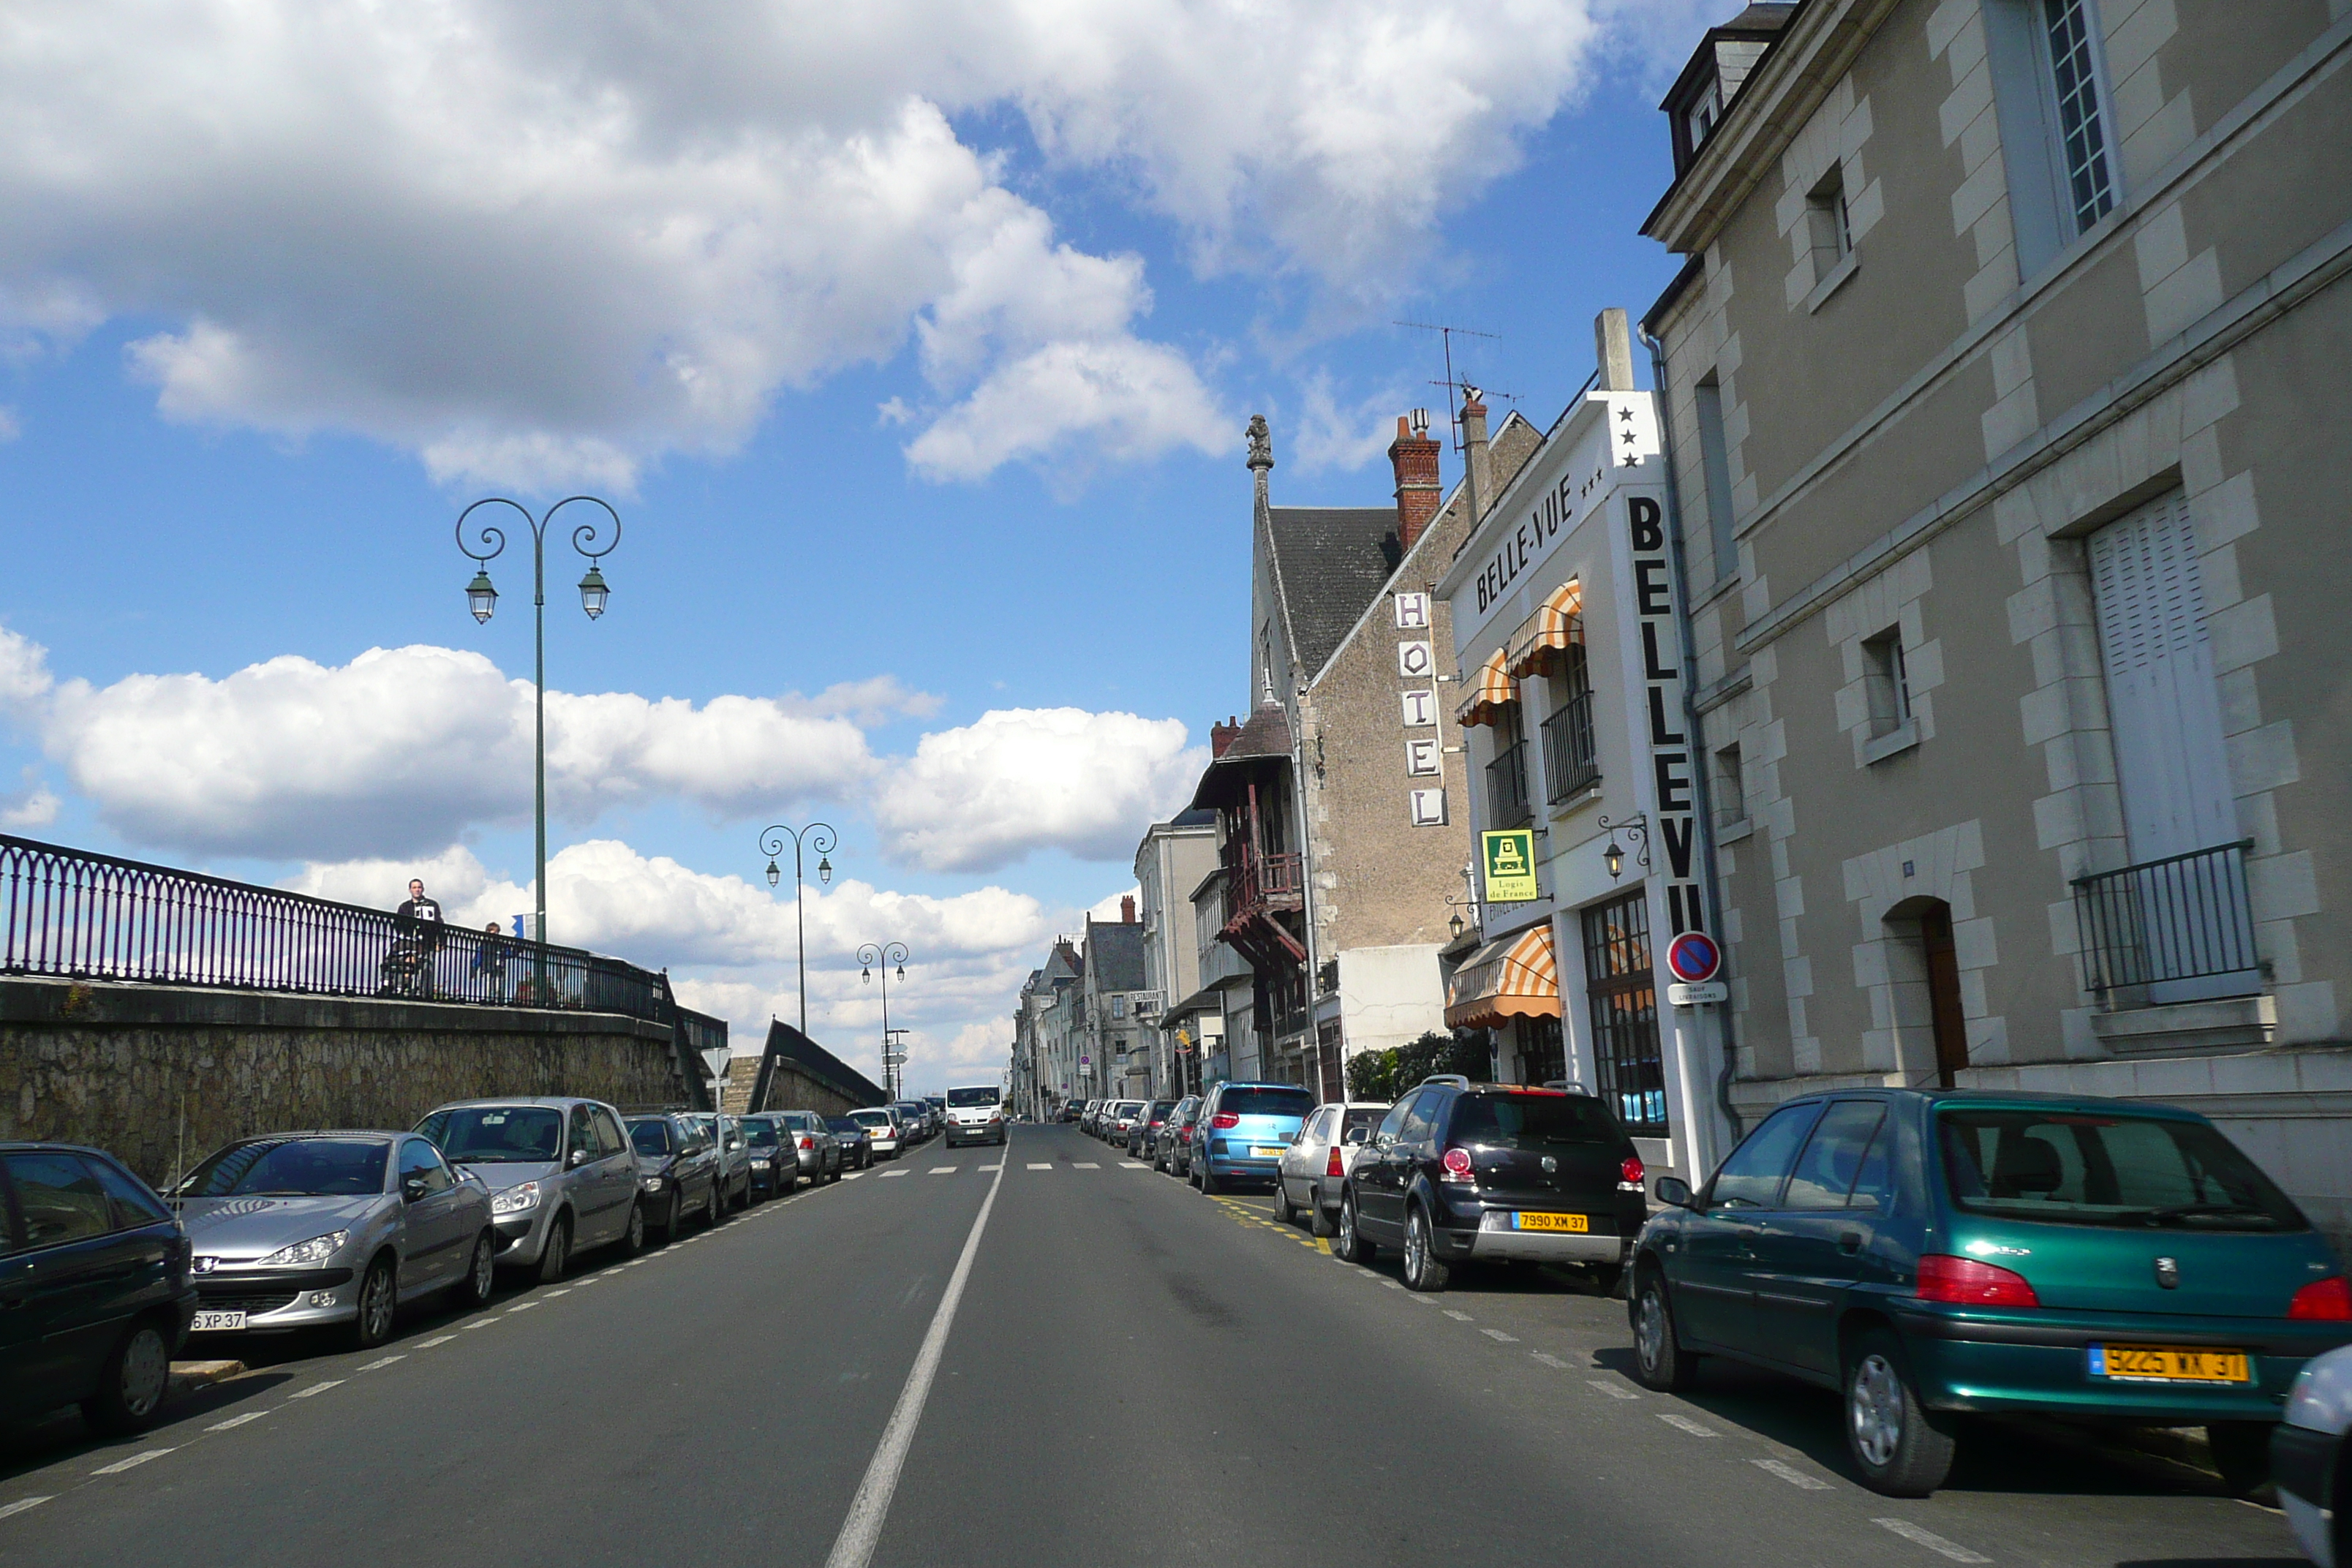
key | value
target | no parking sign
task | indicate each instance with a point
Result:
(1693, 958)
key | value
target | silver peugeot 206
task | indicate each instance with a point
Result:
(297, 1229)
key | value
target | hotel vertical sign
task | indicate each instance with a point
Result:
(1672, 768)
(1424, 754)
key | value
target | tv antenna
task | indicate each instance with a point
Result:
(1454, 386)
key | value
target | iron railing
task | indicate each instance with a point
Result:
(78, 916)
(1571, 759)
(2183, 918)
(1507, 786)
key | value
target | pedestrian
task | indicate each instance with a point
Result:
(421, 931)
(490, 961)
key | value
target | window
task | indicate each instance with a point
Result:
(1621, 991)
(609, 1137)
(1571, 758)
(1832, 1159)
(583, 1134)
(1421, 1119)
(1703, 115)
(1714, 461)
(421, 1161)
(1730, 788)
(2082, 130)
(2130, 1172)
(651, 1138)
(1118, 1006)
(61, 1201)
(1543, 1051)
(1507, 775)
(1887, 683)
(1752, 1177)
(2046, 73)
(1826, 225)
(134, 1204)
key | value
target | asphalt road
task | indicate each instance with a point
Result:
(1125, 1372)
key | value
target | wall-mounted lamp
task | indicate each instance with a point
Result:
(1637, 828)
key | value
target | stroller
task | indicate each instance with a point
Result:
(408, 968)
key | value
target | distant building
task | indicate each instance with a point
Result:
(1045, 1067)
(1117, 1060)
(1172, 860)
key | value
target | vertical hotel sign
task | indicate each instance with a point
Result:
(1671, 771)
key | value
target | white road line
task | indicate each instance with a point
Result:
(995, 1167)
(943, 1170)
(1423, 1300)
(1499, 1337)
(1549, 1360)
(852, 1175)
(889, 1173)
(551, 1295)
(1084, 1166)
(1931, 1540)
(237, 1421)
(1459, 1316)
(1389, 1283)
(132, 1463)
(436, 1340)
(1696, 1428)
(381, 1361)
(20, 1505)
(1133, 1165)
(1791, 1474)
(520, 1307)
(477, 1323)
(1613, 1390)
(317, 1388)
(862, 1530)
(1042, 1165)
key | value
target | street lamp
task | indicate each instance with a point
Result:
(822, 839)
(482, 599)
(884, 954)
(1637, 828)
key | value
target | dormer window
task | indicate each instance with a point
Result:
(1704, 114)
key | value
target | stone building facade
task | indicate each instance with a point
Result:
(1173, 858)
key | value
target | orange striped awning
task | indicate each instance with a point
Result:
(1490, 692)
(1536, 647)
(1513, 977)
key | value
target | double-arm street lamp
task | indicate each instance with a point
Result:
(821, 839)
(886, 955)
(482, 599)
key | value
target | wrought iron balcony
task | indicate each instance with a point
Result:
(2164, 923)
(1507, 787)
(1571, 759)
(1262, 884)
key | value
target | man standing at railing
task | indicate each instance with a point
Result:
(421, 931)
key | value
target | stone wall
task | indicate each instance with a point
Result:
(790, 1089)
(161, 1076)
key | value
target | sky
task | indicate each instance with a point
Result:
(912, 345)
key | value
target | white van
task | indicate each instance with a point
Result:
(975, 1115)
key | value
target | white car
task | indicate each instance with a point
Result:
(1317, 1162)
(975, 1115)
(886, 1135)
(2309, 1462)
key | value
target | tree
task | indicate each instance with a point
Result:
(1386, 1074)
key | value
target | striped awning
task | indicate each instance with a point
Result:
(1490, 692)
(1515, 977)
(1536, 647)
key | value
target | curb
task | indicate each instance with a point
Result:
(189, 1376)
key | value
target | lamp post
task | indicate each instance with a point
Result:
(886, 954)
(894, 1054)
(823, 839)
(483, 599)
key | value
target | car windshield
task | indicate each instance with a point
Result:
(968, 1099)
(1265, 1102)
(2106, 1169)
(496, 1134)
(843, 1124)
(760, 1134)
(291, 1168)
(1523, 1121)
(875, 1119)
(649, 1137)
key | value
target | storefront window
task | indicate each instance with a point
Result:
(1543, 1051)
(1622, 994)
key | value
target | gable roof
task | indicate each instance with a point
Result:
(1115, 954)
(1264, 737)
(1329, 565)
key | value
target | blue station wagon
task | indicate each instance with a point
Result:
(1244, 1129)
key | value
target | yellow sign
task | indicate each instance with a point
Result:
(1511, 858)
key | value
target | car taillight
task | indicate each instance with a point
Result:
(2326, 1300)
(1224, 1119)
(1457, 1165)
(1629, 1170)
(1964, 1281)
(807, 1141)
(1331, 1168)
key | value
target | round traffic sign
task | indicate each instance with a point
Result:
(1693, 958)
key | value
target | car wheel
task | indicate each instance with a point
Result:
(481, 1274)
(1423, 1271)
(1902, 1447)
(632, 1235)
(2242, 1452)
(1659, 1360)
(555, 1257)
(1351, 1245)
(1206, 1179)
(1283, 1213)
(131, 1386)
(379, 1303)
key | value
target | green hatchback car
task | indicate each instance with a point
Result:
(1933, 1254)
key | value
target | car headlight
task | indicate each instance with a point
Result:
(303, 1254)
(653, 1183)
(759, 1164)
(516, 1199)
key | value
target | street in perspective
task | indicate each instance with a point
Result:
(1636, 855)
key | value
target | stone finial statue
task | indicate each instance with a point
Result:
(1260, 444)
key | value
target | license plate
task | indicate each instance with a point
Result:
(1274, 1152)
(2169, 1364)
(1575, 1222)
(218, 1323)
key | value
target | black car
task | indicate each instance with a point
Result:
(95, 1294)
(1071, 1112)
(857, 1143)
(1171, 1148)
(674, 1164)
(776, 1162)
(1143, 1134)
(1458, 1171)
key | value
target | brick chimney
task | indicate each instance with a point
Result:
(1221, 735)
(1127, 909)
(1415, 457)
(1477, 462)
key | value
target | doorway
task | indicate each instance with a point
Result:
(1924, 964)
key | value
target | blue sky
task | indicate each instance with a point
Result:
(917, 372)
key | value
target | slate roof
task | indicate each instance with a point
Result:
(1266, 737)
(1115, 954)
(1330, 563)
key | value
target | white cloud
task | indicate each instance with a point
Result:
(1331, 436)
(1081, 404)
(538, 245)
(33, 805)
(1024, 779)
(1111, 908)
(25, 679)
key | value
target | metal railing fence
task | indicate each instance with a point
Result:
(2183, 918)
(1507, 786)
(1571, 759)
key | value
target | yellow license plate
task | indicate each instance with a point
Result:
(1575, 1222)
(2169, 1364)
(1270, 1152)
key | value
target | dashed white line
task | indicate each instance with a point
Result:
(316, 1388)
(436, 1340)
(1459, 1316)
(566, 1290)
(889, 1174)
(1791, 1474)
(1684, 1423)
(1613, 1390)
(381, 1361)
(237, 1421)
(132, 1463)
(1133, 1165)
(1931, 1540)
(852, 1175)
(1423, 1300)
(520, 1307)
(1085, 1166)
(20, 1505)
(477, 1323)
(1499, 1337)
(1042, 1165)
(943, 1170)
(1392, 1284)
(1549, 1360)
(999, 1167)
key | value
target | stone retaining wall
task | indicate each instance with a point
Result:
(161, 1076)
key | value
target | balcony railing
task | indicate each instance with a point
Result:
(2168, 930)
(1257, 884)
(1571, 761)
(1507, 787)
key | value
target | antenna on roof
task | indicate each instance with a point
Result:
(1454, 385)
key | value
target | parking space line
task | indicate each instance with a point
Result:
(1613, 1390)
(1791, 1474)
(1084, 1166)
(1931, 1540)
(943, 1170)
(1042, 1165)
(1549, 1360)
(1499, 1337)
(235, 1421)
(551, 1295)
(436, 1340)
(20, 1505)
(381, 1361)
(1133, 1165)
(1684, 1423)
(852, 1175)
(132, 1463)
(997, 1167)
(317, 1388)
(1459, 1316)
(889, 1173)
(520, 1307)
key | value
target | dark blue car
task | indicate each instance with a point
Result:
(1243, 1129)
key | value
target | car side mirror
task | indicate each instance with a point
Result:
(1358, 1137)
(1673, 1192)
(579, 1158)
(412, 1189)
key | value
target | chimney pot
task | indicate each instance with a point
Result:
(1221, 736)
(1415, 457)
(1477, 459)
(1127, 909)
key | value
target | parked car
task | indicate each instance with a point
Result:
(775, 1163)
(1243, 1130)
(976, 1114)
(1086, 1115)
(1143, 1131)
(914, 1120)
(1119, 1121)
(814, 1143)
(1314, 1168)
(1931, 1253)
(1173, 1152)
(298, 1230)
(1071, 1110)
(2312, 1465)
(562, 1175)
(675, 1170)
(856, 1140)
(883, 1136)
(95, 1294)
(734, 1158)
